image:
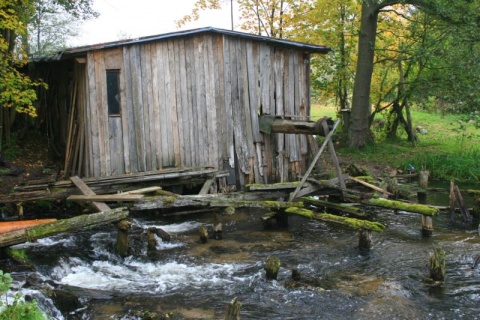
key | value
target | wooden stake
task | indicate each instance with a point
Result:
(272, 265)
(427, 225)
(233, 310)
(151, 241)
(364, 239)
(203, 233)
(122, 238)
(423, 179)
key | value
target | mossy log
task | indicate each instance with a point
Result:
(354, 211)
(214, 201)
(351, 222)
(65, 225)
(398, 205)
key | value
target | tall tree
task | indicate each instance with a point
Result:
(460, 12)
(49, 28)
(333, 23)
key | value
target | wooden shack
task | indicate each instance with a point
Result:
(183, 99)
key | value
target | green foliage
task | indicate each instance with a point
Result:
(437, 264)
(19, 255)
(449, 150)
(19, 309)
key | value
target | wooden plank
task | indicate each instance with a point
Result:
(207, 185)
(219, 77)
(165, 126)
(333, 154)
(173, 103)
(200, 95)
(116, 145)
(102, 112)
(279, 146)
(211, 111)
(154, 133)
(106, 197)
(371, 186)
(181, 94)
(93, 118)
(191, 105)
(253, 88)
(129, 126)
(160, 126)
(143, 190)
(228, 145)
(137, 98)
(100, 206)
(146, 92)
(242, 128)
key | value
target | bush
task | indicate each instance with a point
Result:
(19, 309)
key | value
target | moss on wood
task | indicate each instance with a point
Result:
(398, 205)
(351, 222)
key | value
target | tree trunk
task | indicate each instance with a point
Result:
(359, 129)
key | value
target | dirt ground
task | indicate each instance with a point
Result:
(28, 163)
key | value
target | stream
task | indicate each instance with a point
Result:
(186, 279)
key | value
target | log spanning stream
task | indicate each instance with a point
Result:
(192, 280)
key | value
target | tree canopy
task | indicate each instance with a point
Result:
(17, 90)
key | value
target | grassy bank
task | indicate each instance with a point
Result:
(449, 149)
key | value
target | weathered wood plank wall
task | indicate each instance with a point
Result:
(195, 101)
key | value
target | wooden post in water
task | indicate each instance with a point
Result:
(122, 237)
(233, 310)
(272, 265)
(364, 239)
(427, 225)
(217, 228)
(151, 240)
(423, 179)
(203, 233)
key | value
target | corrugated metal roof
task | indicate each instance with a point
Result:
(273, 41)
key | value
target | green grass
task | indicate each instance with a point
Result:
(450, 149)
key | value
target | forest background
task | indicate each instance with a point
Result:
(406, 71)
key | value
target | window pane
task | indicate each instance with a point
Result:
(113, 92)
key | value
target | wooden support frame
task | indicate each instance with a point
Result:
(314, 162)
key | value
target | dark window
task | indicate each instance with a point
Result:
(113, 92)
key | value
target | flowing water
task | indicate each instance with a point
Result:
(191, 280)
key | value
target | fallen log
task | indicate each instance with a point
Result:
(350, 222)
(65, 225)
(8, 226)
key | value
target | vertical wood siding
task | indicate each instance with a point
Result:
(195, 101)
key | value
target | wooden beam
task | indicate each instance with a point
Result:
(374, 187)
(106, 197)
(100, 206)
